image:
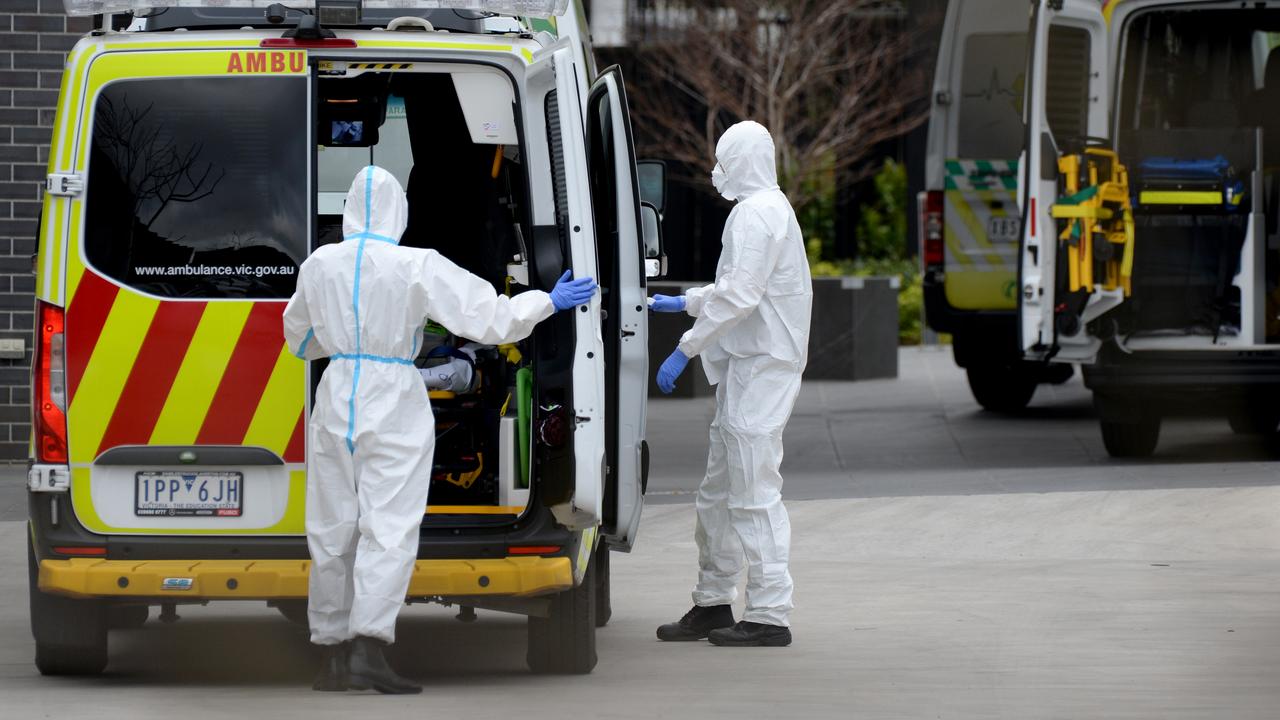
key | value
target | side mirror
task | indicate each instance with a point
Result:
(652, 175)
(655, 259)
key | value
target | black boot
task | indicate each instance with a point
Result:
(697, 623)
(749, 634)
(367, 668)
(333, 669)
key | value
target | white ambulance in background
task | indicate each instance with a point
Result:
(1147, 192)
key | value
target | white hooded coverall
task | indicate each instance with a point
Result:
(752, 331)
(362, 303)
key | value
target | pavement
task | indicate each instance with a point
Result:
(948, 564)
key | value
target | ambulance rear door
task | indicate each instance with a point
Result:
(619, 239)
(585, 508)
(1066, 100)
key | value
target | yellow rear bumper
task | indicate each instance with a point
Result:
(283, 579)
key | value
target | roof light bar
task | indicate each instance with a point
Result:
(531, 8)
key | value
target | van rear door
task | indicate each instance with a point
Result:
(586, 508)
(616, 199)
(185, 408)
(975, 136)
(1065, 104)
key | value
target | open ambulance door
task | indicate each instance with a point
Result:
(1065, 107)
(620, 245)
(585, 510)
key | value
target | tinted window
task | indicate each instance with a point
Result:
(1200, 69)
(991, 87)
(198, 186)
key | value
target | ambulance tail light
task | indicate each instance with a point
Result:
(931, 228)
(50, 391)
(531, 8)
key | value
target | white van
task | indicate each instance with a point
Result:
(1147, 185)
(196, 161)
(970, 219)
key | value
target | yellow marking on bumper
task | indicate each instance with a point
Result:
(281, 579)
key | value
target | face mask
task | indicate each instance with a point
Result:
(720, 180)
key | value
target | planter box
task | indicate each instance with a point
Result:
(853, 334)
(854, 331)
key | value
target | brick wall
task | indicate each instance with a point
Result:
(35, 36)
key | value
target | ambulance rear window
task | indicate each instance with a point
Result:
(198, 187)
(990, 124)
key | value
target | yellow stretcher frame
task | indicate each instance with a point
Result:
(1103, 207)
(1180, 197)
(287, 579)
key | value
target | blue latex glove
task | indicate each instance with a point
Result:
(570, 293)
(670, 371)
(667, 303)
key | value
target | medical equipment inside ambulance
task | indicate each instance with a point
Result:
(448, 136)
(1199, 136)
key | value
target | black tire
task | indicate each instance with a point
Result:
(1131, 439)
(1254, 421)
(565, 642)
(604, 606)
(1001, 390)
(295, 611)
(70, 634)
(127, 617)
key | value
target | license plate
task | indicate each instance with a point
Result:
(183, 494)
(1004, 229)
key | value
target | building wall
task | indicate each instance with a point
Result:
(35, 36)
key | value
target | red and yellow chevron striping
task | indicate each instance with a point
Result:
(151, 378)
(85, 320)
(161, 372)
(245, 380)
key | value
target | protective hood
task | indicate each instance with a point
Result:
(746, 154)
(376, 207)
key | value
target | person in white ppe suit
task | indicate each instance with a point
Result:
(752, 332)
(362, 304)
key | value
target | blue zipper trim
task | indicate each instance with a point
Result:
(373, 358)
(355, 309)
(302, 349)
(371, 236)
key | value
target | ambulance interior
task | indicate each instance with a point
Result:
(1199, 131)
(449, 137)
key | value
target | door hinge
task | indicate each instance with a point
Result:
(64, 184)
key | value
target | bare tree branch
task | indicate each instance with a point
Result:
(830, 79)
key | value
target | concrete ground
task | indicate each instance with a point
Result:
(948, 564)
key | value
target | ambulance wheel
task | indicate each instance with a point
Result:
(295, 611)
(564, 643)
(1001, 389)
(1133, 439)
(1254, 421)
(127, 617)
(604, 607)
(70, 634)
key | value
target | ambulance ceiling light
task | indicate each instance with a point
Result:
(531, 8)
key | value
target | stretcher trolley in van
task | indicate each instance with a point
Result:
(1183, 98)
